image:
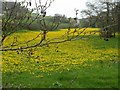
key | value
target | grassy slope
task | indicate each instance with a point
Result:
(86, 63)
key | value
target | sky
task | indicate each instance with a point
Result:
(67, 7)
(64, 7)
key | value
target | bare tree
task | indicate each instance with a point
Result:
(17, 15)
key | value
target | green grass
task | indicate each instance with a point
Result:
(97, 76)
(89, 63)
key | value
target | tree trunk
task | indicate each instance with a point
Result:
(118, 11)
(109, 34)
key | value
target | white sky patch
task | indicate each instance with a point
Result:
(67, 7)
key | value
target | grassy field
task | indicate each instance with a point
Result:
(87, 63)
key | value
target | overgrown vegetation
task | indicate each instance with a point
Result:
(33, 57)
(88, 63)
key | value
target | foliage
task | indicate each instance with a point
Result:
(49, 21)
